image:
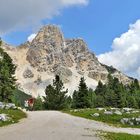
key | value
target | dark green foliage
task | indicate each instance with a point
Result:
(99, 89)
(38, 104)
(7, 79)
(74, 99)
(110, 69)
(81, 98)
(68, 102)
(92, 98)
(115, 94)
(111, 94)
(19, 97)
(55, 95)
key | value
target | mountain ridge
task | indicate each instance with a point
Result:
(48, 54)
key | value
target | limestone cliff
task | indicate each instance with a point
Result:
(49, 54)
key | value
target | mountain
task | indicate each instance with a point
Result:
(48, 54)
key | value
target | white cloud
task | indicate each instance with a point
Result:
(74, 2)
(25, 13)
(31, 37)
(125, 54)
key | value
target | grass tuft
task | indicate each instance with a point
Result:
(15, 116)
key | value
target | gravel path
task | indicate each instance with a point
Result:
(53, 125)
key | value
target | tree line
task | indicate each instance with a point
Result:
(111, 94)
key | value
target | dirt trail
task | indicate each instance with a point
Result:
(54, 125)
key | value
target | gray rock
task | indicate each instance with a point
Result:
(117, 112)
(125, 120)
(63, 72)
(127, 109)
(4, 117)
(39, 80)
(128, 112)
(135, 111)
(28, 73)
(131, 123)
(100, 109)
(2, 105)
(138, 120)
(108, 113)
(10, 106)
(96, 114)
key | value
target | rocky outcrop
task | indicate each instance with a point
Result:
(28, 73)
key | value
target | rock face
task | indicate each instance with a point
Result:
(49, 54)
(28, 73)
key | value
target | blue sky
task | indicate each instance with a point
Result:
(103, 24)
(98, 23)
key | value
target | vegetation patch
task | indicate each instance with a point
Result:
(100, 115)
(14, 115)
(19, 97)
(120, 136)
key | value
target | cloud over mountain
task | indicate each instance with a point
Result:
(125, 54)
(26, 13)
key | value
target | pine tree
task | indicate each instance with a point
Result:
(99, 88)
(55, 95)
(82, 100)
(38, 104)
(74, 99)
(92, 98)
(7, 79)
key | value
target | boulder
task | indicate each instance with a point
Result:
(4, 117)
(135, 111)
(2, 105)
(131, 121)
(125, 120)
(100, 109)
(96, 114)
(127, 109)
(117, 112)
(108, 113)
(10, 106)
(138, 120)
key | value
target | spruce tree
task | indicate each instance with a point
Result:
(55, 95)
(7, 79)
(99, 88)
(82, 95)
(92, 98)
(38, 104)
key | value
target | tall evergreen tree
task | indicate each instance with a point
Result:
(7, 79)
(82, 98)
(92, 98)
(74, 99)
(55, 95)
(38, 104)
(99, 88)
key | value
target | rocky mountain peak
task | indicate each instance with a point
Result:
(49, 54)
(49, 36)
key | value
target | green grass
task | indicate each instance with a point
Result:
(110, 119)
(19, 97)
(15, 116)
(120, 136)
